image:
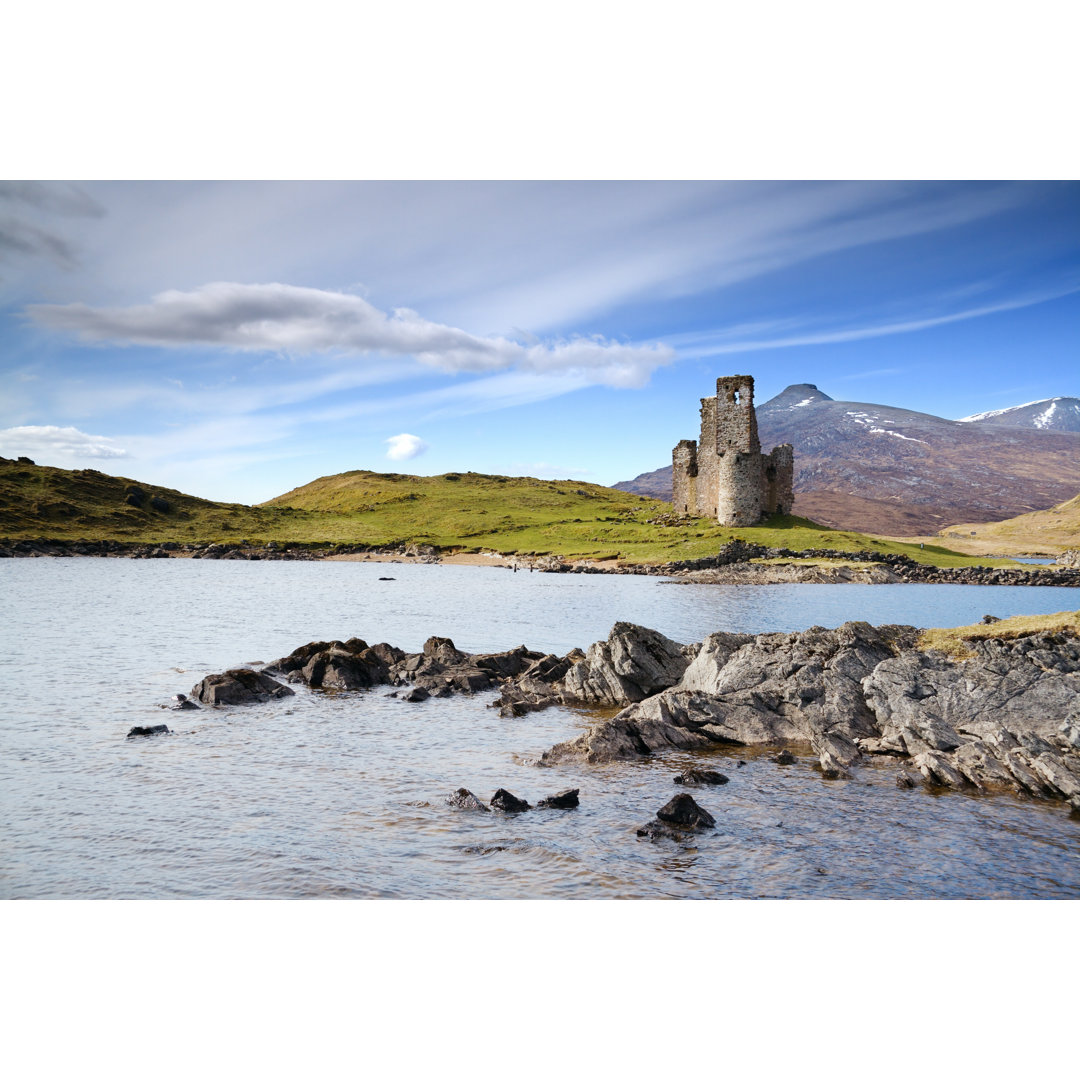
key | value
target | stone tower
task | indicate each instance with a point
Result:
(725, 475)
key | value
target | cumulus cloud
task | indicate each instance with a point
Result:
(403, 447)
(291, 318)
(49, 441)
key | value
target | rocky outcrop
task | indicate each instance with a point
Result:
(631, 665)
(775, 688)
(240, 686)
(1006, 717)
(439, 670)
(1070, 559)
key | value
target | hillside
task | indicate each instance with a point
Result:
(456, 511)
(886, 470)
(1050, 531)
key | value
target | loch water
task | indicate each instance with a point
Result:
(343, 795)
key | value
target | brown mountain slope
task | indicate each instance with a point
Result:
(893, 471)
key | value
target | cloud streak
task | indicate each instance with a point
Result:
(295, 319)
(700, 345)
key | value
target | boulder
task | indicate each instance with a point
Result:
(240, 686)
(417, 693)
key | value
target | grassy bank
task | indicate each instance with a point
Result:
(955, 640)
(454, 512)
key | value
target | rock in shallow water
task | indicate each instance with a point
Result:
(700, 778)
(241, 686)
(157, 729)
(464, 799)
(683, 810)
(511, 804)
(566, 799)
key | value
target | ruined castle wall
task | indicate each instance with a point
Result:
(707, 463)
(684, 471)
(740, 493)
(736, 421)
(779, 479)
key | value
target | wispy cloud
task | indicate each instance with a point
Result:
(294, 319)
(702, 344)
(68, 443)
(404, 446)
(21, 200)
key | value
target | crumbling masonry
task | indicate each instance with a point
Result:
(726, 476)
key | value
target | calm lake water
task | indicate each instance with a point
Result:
(343, 795)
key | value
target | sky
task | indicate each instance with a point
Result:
(237, 339)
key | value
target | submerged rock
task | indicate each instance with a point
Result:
(785, 757)
(700, 778)
(156, 729)
(566, 799)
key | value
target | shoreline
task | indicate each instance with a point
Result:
(735, 563)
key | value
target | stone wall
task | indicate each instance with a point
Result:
(725, 475)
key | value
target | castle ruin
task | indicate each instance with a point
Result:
(725, 475)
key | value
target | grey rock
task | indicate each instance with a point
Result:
(240, 686)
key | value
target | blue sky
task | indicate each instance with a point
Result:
(236, 339)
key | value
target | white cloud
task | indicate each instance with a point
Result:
(291, 318)
(403, 447)
(68, 443)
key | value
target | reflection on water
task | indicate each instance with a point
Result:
(326, 795)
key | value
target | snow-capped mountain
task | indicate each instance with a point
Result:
(881, 469)
(1050, 414)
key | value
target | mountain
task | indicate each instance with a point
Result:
(1050, 414)
(892, 471)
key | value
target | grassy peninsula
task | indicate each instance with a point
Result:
(453, 512)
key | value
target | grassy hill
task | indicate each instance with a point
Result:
(1050, 531)
(456, 511)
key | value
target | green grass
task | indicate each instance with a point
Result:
(954, 641)
(456, 511)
